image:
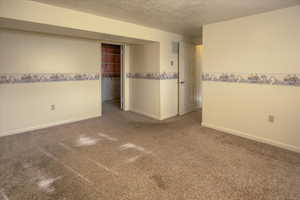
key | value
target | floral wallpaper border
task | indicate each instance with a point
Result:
(255, 78)
(154, 75)
(12, 78)
(46, 77)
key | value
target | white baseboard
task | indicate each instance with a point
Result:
(168, 117)
(144, 113)
(32, 128)
(251, 137)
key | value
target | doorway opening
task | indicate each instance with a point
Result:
(189, 79)
(111, 82)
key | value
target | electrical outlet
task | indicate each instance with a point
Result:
(172, 63)
(271, 118)
(52, 107)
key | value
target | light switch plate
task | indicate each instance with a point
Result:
(271, 118)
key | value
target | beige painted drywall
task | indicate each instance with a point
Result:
(144, 97)
(169, 87)
(144, 93)
(168, 98)
(265, 43)
(145, 58)
(28, 52)
(44, 14)
(27, 106)
(198, 74)
(56, 16)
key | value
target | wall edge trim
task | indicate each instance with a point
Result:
(17, 78)
(144, 113)
(42, 126)
(153, 75)
(166, 117)
(255, 138)
(286, 79)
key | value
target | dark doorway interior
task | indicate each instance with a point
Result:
(111, 75)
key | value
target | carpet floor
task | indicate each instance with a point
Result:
(123, 156)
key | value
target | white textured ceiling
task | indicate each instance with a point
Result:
(178, 16)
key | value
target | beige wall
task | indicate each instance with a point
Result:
(28, 52)
(198, 74)
(26, 106)
(169, 87)
(55, 54)
(34, 12)
(144, 93)
(168, 98)
(265, 43)
(145, 58)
